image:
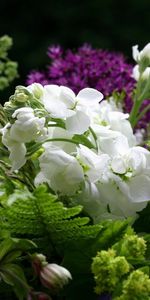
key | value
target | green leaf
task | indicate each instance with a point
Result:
(5, 247)
(40, 216)
(13, 275)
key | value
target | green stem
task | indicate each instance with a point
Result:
(142, 113)
(134, 111)
(139, 97)
(73, 141)
(94, 135)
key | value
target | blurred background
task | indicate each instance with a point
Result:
(108, 24)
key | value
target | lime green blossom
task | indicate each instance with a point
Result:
(108, 270)
(136, 287)
(8, 68)
(132, 246)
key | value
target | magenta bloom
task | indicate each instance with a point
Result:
(87, 67)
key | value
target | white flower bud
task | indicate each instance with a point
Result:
(146, 74)
(136, 73)
(54, 276)
(140, 55)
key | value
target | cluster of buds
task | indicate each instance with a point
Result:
(131, 246)
(8, 68)
(52, 276)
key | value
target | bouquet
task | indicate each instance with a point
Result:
(75, 191)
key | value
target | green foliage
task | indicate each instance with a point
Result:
(43, 218)
(11, 271)
(8, 68)
(78, 258)
(59, 232)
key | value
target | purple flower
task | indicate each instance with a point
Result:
(87, 67)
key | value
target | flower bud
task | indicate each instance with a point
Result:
(136, 73)
(38, 262)
(137, 286)
(108, 270)
(54, 277)
(146, 74)
(143, 54)
(133, 247)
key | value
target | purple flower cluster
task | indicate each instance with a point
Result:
(87, 67)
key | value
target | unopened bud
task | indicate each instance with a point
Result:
(54, 277)
(146, 74)
(38, 262)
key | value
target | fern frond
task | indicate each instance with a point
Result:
(40, 216)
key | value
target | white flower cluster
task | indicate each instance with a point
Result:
(93, 156)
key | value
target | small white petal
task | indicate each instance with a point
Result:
(135, 53)
(78, 124)
(136, 73)
(89, 97)
(17, 155)
(118, 165)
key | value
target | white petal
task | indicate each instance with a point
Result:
(89, 97)
(53, 103)
(118, 165)
(136, 73)
(139, 187)
(135, 53)
(17, 155)
(67, 96)
(22, 110)
(90, 198)
(78, 124)
(113, 145)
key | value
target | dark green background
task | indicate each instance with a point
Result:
(108, 24)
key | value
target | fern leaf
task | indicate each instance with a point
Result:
(40, 216)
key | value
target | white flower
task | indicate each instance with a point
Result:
(17, 149)
(98, 113)
(36, 89)
(110, 142)
(119, 182)
(139, 55)
(131, 176)
(146, 74)
(94, 165)
(118, 122)
(61, 102)
(61, 170)
(118, 203)
(108, 115)
(27, 127)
